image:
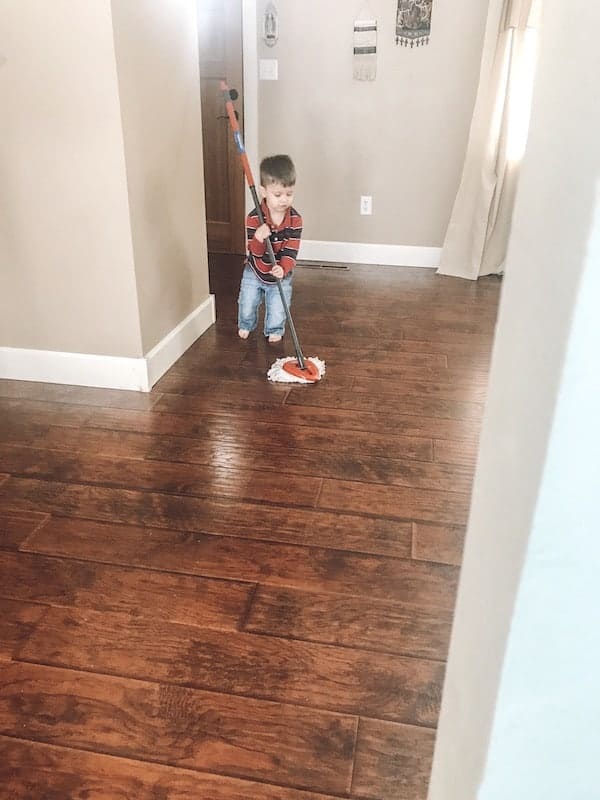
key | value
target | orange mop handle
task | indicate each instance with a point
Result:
(237, 135)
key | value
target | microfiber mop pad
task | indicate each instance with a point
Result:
(278, 373)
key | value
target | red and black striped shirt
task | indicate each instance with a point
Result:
(285, 239)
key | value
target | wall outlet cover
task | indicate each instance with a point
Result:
(366, 204)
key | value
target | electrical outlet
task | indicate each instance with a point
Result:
(366, 204)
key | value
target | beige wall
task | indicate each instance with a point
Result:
(66, 262)
(520, 706)
(400, 139)
(157, 61)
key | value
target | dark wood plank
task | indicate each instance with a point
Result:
(433, 313)
(358, 622)
(251, 373)
(323, 459)
(203, 480)
(291, 433)
(224, 462)
(15, 526)
(175, 598)
(358, 466)
(469, 333)
(192, 378)
(99, 442)
(392, 761)
(39, 412)
(31, 771)
(240, 519)
(327, 463)
(219, 477)
(226, 394)
(396, 501)
(335, 418)
(355, 359)
(418, 405)
(76, 395)
(468, 383)
(317, 569)
(399, 343)
(441, 543)
(469, 358)
(472, 353)
(400, 388)
(205, 357)
(21, 494)
(448, 317)
(449, 452)
(337, 679)
(246, 404)
(352, 328)
(214, 342)
(17, 622)
(206, 731)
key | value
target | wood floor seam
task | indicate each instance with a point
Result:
(248, 608)
(354, 749)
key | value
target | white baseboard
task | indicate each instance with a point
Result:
(175, 343)
(394, 255)
(108, 372)
(79, 369)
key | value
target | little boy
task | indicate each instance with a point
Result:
(283, 225)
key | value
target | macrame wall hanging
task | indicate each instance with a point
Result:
(413, 22)
(365, 49)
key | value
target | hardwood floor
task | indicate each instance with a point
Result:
(232, 590)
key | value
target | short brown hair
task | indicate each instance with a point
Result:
(277, 169)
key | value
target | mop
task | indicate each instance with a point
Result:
(283, 370)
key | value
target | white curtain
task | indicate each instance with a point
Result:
(479, 228)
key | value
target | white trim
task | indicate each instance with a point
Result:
(78, 369)
(250, 68)
(395, 255)
(175, 343)
(108, 372)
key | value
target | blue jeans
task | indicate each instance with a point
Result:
(252, 293)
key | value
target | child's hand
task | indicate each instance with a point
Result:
(262, 233)
(277, 271)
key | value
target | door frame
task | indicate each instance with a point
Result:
(250, 73)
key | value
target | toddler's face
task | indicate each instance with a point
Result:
(279, 197)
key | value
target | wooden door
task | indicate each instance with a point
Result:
(220, 44)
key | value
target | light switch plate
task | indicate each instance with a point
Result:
(267, 69)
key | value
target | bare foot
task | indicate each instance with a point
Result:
(275, 337)
(243, 334)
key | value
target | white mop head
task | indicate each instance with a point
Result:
(277, 373)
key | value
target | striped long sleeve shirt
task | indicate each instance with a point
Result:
(285, 239)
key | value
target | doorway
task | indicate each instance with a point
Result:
(220, 49)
